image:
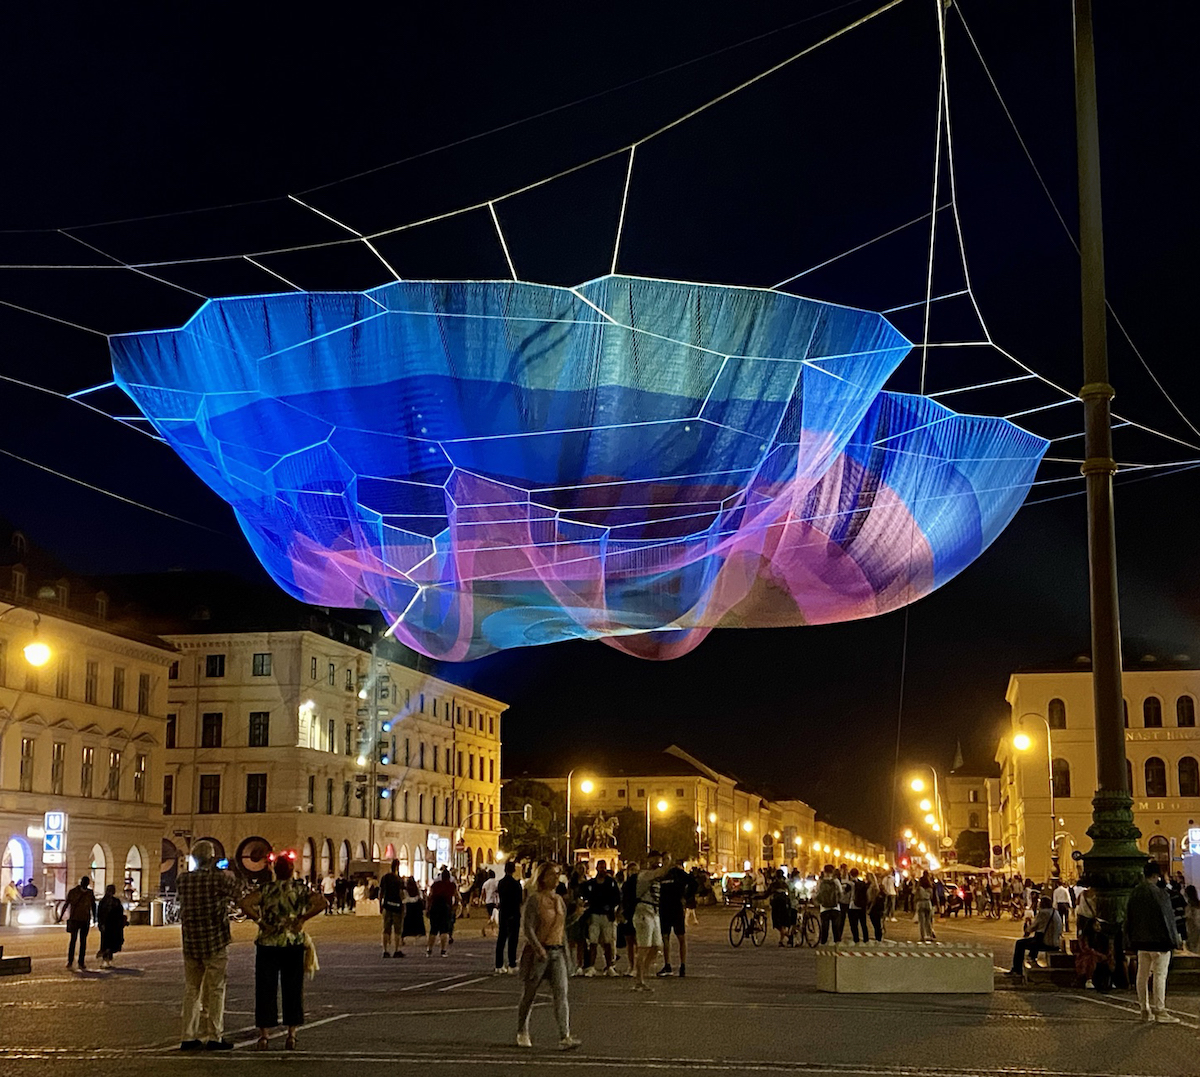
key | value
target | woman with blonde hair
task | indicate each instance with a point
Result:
(543, 929)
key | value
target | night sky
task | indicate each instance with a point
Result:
(189, 107)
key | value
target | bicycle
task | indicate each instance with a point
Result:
(748, 922)
(809, 928)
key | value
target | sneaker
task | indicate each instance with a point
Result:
(569, 1043)
(497, 972)
(192, 1045)
(681, 972)
(577, 972)
(444, 954)
(386, 954)
(70, 964)
(218, 1045)
(1147, 1017)
(590, 971)
(664, 971)
(523, 1040)
(611, 971)
(398, 953)
(429, 953)
(1165, 1018)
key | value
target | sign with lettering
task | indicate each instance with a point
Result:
(56, 821)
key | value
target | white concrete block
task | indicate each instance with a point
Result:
(897, 968)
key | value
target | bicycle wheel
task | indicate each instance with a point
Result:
(737, 930)
(810, 930)
(758, 928)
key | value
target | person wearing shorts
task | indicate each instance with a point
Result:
(645, 918)
(603, 898)
(672, 917)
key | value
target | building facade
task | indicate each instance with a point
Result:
(326, 744)
(1044, 793)
(81, 737)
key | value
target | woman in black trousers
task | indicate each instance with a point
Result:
(280, 908)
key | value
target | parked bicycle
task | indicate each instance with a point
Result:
(749, 922)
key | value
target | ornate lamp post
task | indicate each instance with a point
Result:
(1023, 742)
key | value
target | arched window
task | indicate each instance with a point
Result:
(1129, 775)
(973, 821)
(1062, 778)
(1156, 777)
(1125, 707)
(1160, 850)
(1189, 777)
(1185, 711)
(1057, 714)
(1152, 712)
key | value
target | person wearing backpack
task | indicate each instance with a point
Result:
(828, 897)
(79, 910)
(858, 904)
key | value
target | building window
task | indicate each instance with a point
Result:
(214, 665)
(210, 794)
(172, 721)
(312, 669)
(435, 759)
(58, 766)
(470, 718)
(210, 729)
(173, 671)
(471, 767)
(260, 729)
(421, 756)
(1189, 777)
(446, 809)
(678, 793)
(143, 693)
(620, 794)
(641, 793)
(973, 796)
(492, 771)
(32, 680)
(91, 682)
(139, 779)
(458, 714)
(345, 798)
(1129, 775)
(256, 793)
(168, 794)
(26, 765)
(1160, 850)
(87, 769)
(1057, 714)
(491, 724)
(349, 680)
(260, 664)
(349, 738)
(1185, 712)
(421, 808)
(328, 796)
(1156, 777)
(62, 681)
(1125, 710)
(973, 821)
(309, 804)
(112, 788)
(491, 818)
(332, 674)
(118, 696)
(1152, 712)
(460, 764)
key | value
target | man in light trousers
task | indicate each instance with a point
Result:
(1150, 930)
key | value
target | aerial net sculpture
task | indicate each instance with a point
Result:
(495, 464)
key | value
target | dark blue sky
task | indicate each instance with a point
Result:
(111, 118)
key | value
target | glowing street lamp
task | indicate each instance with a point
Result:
(926, 805)
(918, 785)
(586, 786)
(930, 820)
(747, 826)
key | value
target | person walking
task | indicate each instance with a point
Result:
(1062, 902)
(329, 892)
(544, 956)
(1150, 930)
(443, 897)
(509, 896)
(828, 897)
(204, 897)
(281, 907)
(1043, 935)
(488, 897)
(876, 906)
(672, 893)
(413, 924)
(79, 910)
(391, 906)
(924, 903)
(111, 920)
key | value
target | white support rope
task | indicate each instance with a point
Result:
(924, 302)
(503, 246)
(277, 276)
(52, 318)
(353, 231)
(135, 269)
(624, 203)
(937, 172)
(75, 398)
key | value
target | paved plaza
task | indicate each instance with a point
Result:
(742, 1011)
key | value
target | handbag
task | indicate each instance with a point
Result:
(311, 965)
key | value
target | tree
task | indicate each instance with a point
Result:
(972, 848)
(542, 835)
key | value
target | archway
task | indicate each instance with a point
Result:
(131, 889)
(491, 859)
(389, 853)
(362, 850)
(16, 865)
(344, 858)
(168, 867)
(375, 853)
(419, 864)
(326, 857)
(480, 863)
(402, 856)
(306, 859)
(98, 869)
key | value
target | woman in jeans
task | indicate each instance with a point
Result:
(543, 929)
(925, 908)
(280, 908)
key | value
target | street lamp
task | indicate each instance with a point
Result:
(918, 786)
(1023, 742)
(585, 786)
(662, 806)
(37, 653)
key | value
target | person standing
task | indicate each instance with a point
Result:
(79, 910)
(889, 895)
(488, 896)
(645, 917)
(443, 897)
(1085, 912)
(858, 905)
(672, 893)
(1192, 919)
(509, 896)
(828, 897)
(204, 897)
(876, 907)
(845, 897)
(1150, 930)
(413, 925)
(280, 908)
(329, 891)
(603, 898)
(111, 920)
(1062, 902)
(544, 957)
(391, 905)
(626, 932)
(924, 895)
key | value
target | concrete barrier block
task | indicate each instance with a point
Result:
(896, 968)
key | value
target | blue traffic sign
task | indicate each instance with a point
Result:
(54, 843)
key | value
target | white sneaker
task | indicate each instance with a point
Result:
(1165, 1018)
(569, 1043)
(611, 971)
(590, 971)
(1147, 1017)
(498, 972)
(523, 1040)
(577, 972)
